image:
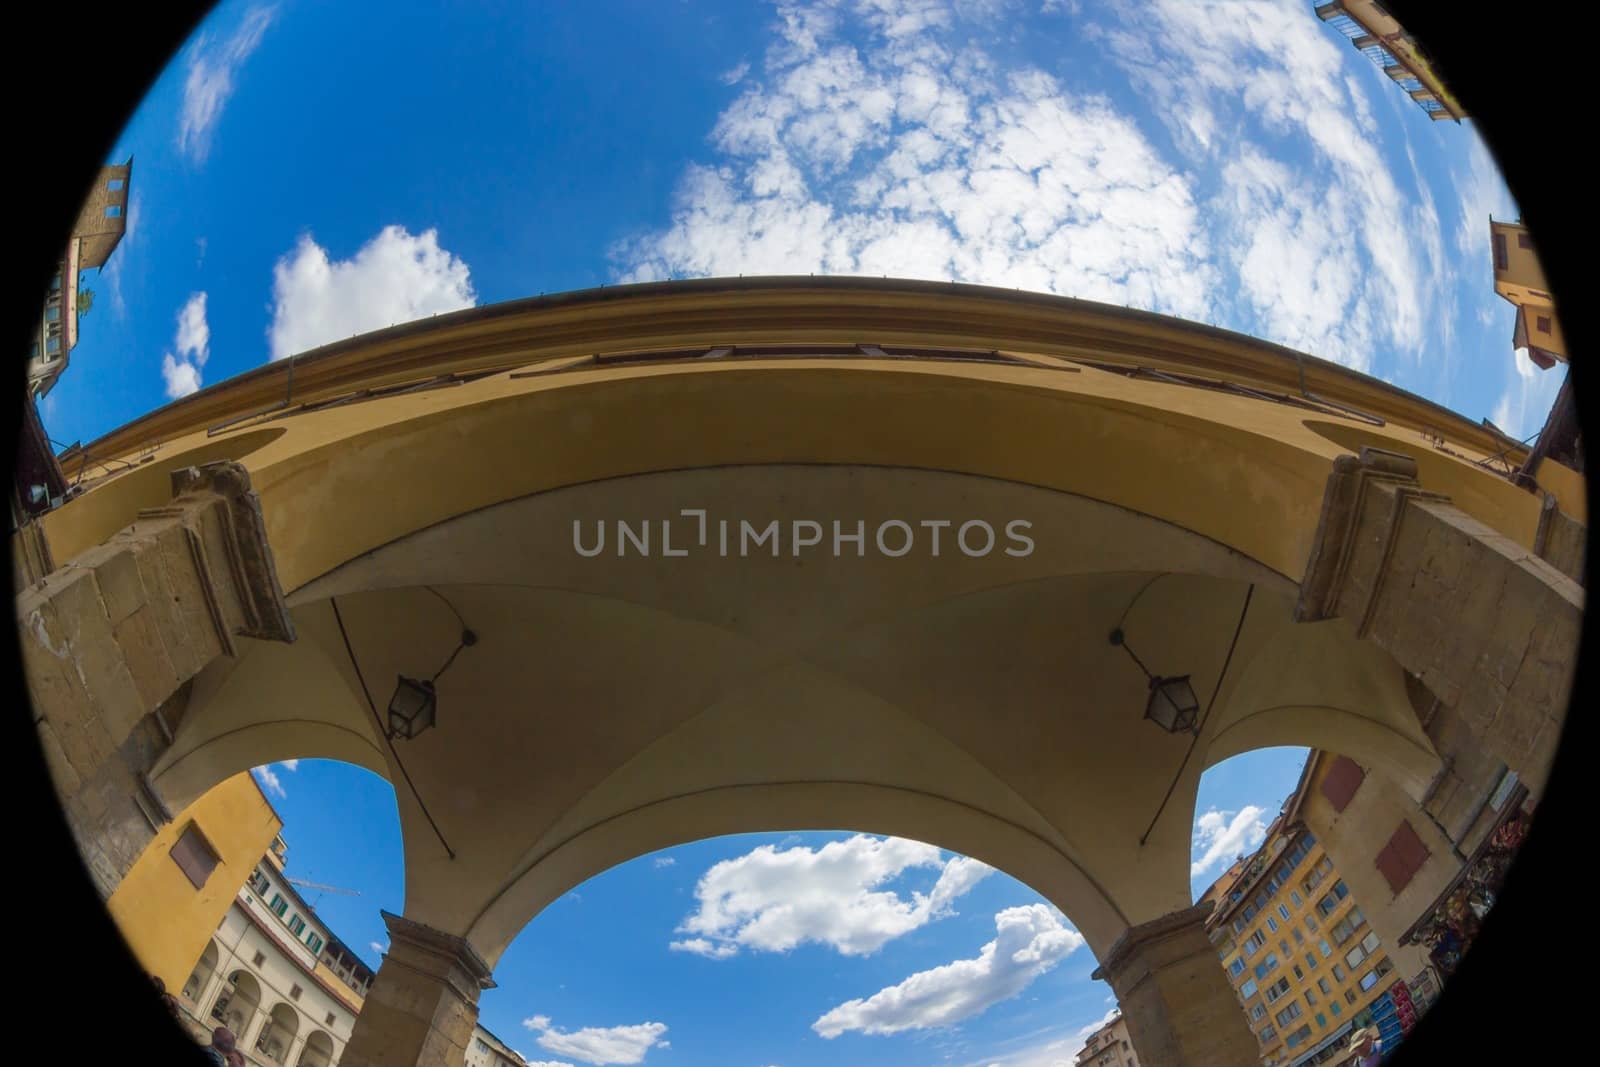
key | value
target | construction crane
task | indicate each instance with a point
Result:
(302, 883)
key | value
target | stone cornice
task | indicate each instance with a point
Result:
(1138, 937)
(723, 311)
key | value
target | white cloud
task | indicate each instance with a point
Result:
(1528, 396)
(181, 378)
(212, 69)
(546, 1063)
(773, 899)
(1031, 941)
(1219, 839)
(393, 278)
(181, 372)
(1337, 231)
(379, 947)
(665, 861)
(194, 336)
(599, 1045)
(289, 764)
(735, 75)
(919, 158)
(269, 781)
(701, 947)
(1483, 194)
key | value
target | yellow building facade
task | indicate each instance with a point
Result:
(1519, 277)
(183, 883)
(1304, 962)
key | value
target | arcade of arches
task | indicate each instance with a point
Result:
(276, 550)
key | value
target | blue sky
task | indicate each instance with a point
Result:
(308, 171)
(596, 978)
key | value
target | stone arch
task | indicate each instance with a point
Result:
(796, 807)
(278, 1032)
(237, 1004)
(200, 978)
(318, 1050)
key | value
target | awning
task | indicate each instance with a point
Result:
(1337, 1035)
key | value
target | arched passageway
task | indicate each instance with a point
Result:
(834, 665)
(238, 1005)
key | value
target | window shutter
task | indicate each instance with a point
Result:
(194, 855)
(1342, 781)
(1402, 857)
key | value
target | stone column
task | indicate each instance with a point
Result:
(1175, 996)
(423, 1004)
(111, 639)
(1490, 628)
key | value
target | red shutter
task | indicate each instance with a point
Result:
(194, 855)
(1342, 781)
(1402, 857)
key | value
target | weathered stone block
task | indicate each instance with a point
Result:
(154, 676)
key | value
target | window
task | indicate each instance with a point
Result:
(296, 925)
(1247, 990)
(258, 881)
(1294, 898)
(1369, 980)
(329, 1020)
(1272, 924)
(1370, 942)
(314, 943)
(1333, 1006)
(1277, 989)
(1349, 996)
(1524, 241)
(1283, 912)
(194, 855)
(1265, 966)
(113, 211)
(1299, 938)
(1322, 1020)
(1236, 968)
(1249, 912)
(1355, 956)
(294, 992)
(259, 959)
(1405, 853)
(1267, 1033)
(1338, 973)
(1542, 324)
(1288, 1015)
(1258, 1012)
(53, 314)
(1311, 962)
(1331, 900)
(1502, 258)
(1311, 924)
(1322, 984)
(1299, 975)
(278, 905)
(114, 185)
(1298, 1036)
(52, 344)
(1311, 999)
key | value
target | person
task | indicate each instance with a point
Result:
(221, 1050)
(168, 1001)
(1367, 1048)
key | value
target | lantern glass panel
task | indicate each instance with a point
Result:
(1172, 705)
(411, 710)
